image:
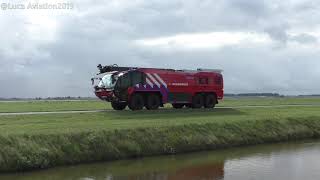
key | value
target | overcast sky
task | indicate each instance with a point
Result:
(262, 46)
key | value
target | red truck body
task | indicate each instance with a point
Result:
(191, 88)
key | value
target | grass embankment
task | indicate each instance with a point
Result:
(44, 106)
(42, 141)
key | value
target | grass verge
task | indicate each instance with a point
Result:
(20, 152)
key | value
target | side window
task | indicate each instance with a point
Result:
(203, 80)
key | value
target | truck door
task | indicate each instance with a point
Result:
(122, 86)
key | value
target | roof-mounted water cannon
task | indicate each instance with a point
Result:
(111, 68)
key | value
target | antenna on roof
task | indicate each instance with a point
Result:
(210, 70)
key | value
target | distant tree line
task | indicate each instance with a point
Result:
(88, 98)
(256, 94)
(311, 95)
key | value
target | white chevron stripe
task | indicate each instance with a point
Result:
(149, 82)
(153, 79)
(160, 79)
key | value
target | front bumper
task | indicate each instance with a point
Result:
(105, 95)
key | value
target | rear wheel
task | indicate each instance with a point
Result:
(153, 102)
(197, 101)
(118, 105)
(210, 101)
(136, 102)
(177, 106)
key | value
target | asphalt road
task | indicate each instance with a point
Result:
(108, 110)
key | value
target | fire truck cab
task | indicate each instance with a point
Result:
(152, 88)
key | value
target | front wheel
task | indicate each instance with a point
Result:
(118, 105)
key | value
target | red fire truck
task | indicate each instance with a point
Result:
(137, 87)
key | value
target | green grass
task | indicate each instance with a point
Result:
(41, 141)
(70, 123)
(266, 101)
(40, 106)
(35, 142)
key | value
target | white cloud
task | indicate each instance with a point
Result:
(206, 40)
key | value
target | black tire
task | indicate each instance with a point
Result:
(118, 105)
(136, 102)
(177, 106)
(188, 105)
(210, 101)
(153, 102)
(197, 101)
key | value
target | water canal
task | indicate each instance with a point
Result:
(286, 161)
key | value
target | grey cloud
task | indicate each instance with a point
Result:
(304, 38)
(278, 33)
(103, 32)
(251, 8)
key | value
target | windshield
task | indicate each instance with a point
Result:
(108, 81)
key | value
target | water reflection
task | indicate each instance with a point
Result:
(281, 161)
(212, 171)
